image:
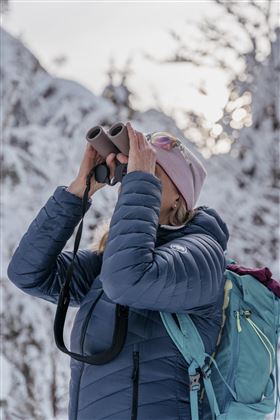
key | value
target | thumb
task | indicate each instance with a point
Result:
(111, 163)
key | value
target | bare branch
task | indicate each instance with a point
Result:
(229, 7)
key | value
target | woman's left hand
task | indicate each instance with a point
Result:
(142, 155)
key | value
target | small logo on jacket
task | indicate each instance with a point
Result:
(179, 247)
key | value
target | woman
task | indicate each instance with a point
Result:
(160, 254)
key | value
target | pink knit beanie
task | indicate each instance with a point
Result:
(181, 165)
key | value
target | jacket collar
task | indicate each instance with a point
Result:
(207, 220)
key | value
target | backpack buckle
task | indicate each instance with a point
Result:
(206, 371)
(194, 382)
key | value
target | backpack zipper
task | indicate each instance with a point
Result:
(246, 313)
(235, 354)
(135, 379)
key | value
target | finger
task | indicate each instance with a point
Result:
(133, 140)
(111, 163)
(96, 157)
(87, 159)
(141, 140)
(91, 154)
(88, 151)
(90, 148)
(122, 158)
(147, 142)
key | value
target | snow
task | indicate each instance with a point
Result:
(44, 124)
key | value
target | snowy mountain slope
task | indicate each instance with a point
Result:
(44, 124)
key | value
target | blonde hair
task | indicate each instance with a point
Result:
(179, 216)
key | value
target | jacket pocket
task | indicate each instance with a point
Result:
(135, 382)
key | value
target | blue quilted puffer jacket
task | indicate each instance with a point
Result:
(146, 266)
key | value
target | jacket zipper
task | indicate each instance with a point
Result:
(135, 379)
(83, 334)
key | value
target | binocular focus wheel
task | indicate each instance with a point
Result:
(102, 173)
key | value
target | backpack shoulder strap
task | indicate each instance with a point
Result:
(190, 344)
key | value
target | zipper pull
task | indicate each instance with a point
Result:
(239, 329)
(247, 313)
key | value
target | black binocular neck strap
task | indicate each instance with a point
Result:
(121, 314)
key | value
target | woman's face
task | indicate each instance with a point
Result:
(169, 196)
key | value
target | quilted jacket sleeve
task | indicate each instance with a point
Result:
(138, 274)
(38, 267)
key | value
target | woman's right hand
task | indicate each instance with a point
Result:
(91, 158)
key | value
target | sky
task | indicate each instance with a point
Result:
(91, 34)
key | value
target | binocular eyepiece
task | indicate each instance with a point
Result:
(116, 140)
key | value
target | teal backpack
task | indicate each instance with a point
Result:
(241, 385)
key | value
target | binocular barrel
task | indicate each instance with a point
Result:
(116, 140)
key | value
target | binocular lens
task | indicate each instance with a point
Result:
(92, 133)
(116, 130)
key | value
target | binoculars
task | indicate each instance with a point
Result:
(116, 140)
